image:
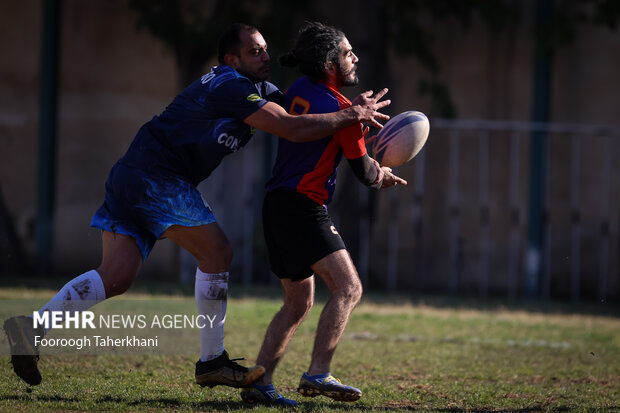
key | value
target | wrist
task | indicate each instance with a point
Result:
(354, 114)
(378, 183)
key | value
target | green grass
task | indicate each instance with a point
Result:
(441, 354)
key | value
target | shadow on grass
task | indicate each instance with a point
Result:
(533, 409)
(163, 403)
(405, 407)
(168, 403)
(141, 286)
(38, 397)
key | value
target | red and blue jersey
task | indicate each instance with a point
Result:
(310, 167)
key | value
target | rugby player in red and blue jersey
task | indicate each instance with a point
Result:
(151, 193)
(300, 236)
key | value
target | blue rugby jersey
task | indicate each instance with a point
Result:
(203, 124)
(310, 168)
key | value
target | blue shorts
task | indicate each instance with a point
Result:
(144, 205)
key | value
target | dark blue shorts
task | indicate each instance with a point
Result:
(144, 205)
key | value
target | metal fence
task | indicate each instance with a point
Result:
(460, 226)
(468, 213)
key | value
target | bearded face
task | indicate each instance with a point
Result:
(346, 65)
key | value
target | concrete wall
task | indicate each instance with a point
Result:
(114, 78)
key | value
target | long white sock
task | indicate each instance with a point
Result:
(211, 291)
(79, 294)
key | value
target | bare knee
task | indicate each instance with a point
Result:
(216, 258)
(116, 282)
(120, 263)
(227, 253)
(355, 292)
(118, 288)
(350, 294)
(299, 308)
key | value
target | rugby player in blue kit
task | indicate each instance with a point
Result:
(300, 236)
(151, 193)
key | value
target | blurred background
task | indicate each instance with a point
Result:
(513, 196)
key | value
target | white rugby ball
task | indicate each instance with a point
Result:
(401, 138)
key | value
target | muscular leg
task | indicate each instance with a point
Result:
(120, 263)
(207, 243)
(121, 260)
(119, 266)
(340, 275)
(298, 299)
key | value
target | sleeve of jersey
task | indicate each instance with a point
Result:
(352, 141)
(238, 98)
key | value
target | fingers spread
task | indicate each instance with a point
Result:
(383, 103)
(381, 116)
(380, 94)
(376, 124)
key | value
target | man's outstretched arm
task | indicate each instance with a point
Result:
(274, 119)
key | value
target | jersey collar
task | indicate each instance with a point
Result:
(341, 98)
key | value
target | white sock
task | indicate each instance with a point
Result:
(211, 291)
(79, 294)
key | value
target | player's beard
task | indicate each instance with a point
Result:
(348, 77)
(259, 75)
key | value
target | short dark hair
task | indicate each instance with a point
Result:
(317, 44)
(230, 41)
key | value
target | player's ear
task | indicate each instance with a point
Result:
(330, 68)
(232, 61)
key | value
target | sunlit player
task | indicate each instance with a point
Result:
(300, 236)
(151, 192)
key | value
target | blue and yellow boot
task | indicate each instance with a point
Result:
(329, 386)
(267, 394)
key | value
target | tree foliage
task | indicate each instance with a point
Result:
(412, 31)
(190, 29)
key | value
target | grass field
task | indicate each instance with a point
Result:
(418, 354)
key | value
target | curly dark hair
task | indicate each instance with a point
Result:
(317, 44)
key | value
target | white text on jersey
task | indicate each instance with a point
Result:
(229, 141)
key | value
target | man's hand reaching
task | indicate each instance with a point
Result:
(385, 177)
(366, 107)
